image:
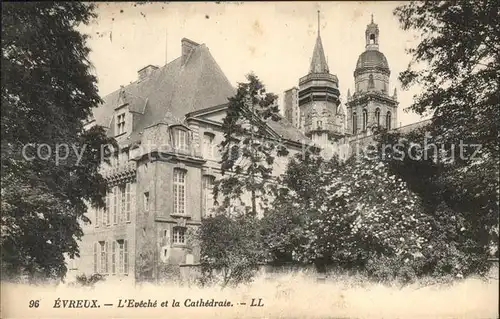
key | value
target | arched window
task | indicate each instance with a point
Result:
(354, 123)
(319, 124)
(371, 83)
(388, 120)
(377, 116)
(365, 119)
(372, 38)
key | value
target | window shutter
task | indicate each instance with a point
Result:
(103, 257)
(97, 216)
(128, 202)
(106, 209)
(106, 251)
(113, 258)
(95, 259)
(115, 205)
(125, 257)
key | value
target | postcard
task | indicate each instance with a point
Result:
(250, 160)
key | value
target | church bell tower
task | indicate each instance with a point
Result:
(371, 107)
(321, 116)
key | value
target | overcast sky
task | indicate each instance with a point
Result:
(274, 40)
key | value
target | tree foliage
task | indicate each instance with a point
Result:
(231, 249)
(360, 215)
(460, 59)
(247, 152)
(457, 64)
(47, 92)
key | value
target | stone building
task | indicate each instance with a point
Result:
(291, 105)
(371, 106)
(168, 125)
(322, 116)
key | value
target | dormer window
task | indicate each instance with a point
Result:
(181, 139)
(120, 124)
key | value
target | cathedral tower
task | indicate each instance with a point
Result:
(371, 106)
(321, 117)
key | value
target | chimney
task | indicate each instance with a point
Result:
(146, 71)
(188, 47)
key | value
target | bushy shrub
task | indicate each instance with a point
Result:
(361, 216)
(231, 249)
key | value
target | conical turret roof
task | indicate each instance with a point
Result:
(318, 62)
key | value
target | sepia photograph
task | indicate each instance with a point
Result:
(264, 160)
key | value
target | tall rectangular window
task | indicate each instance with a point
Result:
(179, 191)
(208, 145)
(181, 140)
(123, 198)
(179, 235)
(120, 256)
(207, 198)
(102, 246)
(123, 256)
(120, 124)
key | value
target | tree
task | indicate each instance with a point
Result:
(248, 152)
(360, 215)
(456, 63)
(49, 162)
(231, 249)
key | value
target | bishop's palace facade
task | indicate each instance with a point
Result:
(168, 124)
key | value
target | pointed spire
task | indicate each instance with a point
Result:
(318, 61)
(372, 18)
(348, 93)
(318, 24)
(395, 95)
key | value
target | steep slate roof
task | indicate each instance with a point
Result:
(172, 91)
(318, 62)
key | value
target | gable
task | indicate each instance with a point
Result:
(276, 129)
